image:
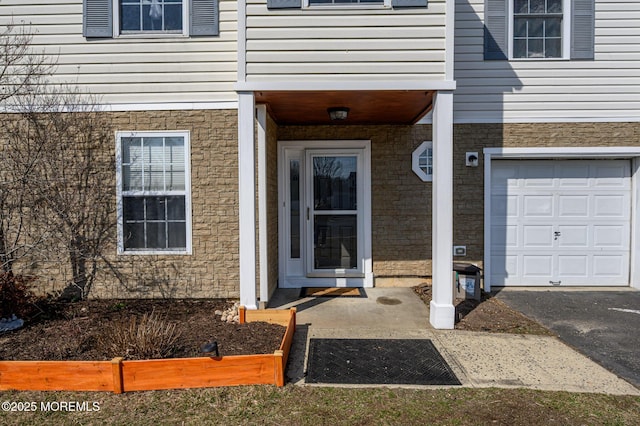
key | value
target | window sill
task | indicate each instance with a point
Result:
(538, 59)
(154, 252)
(340, 7)
(154, 36)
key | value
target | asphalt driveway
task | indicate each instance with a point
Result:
(603, 325)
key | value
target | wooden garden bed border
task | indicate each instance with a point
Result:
(120, 376)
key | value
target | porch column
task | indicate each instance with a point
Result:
(261, 118)
(247, 199)
(442, 311)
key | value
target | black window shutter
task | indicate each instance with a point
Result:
(284, 4)
(495, 30)
(97, 18)
(582, 29)
(409, 3)
(204, 18)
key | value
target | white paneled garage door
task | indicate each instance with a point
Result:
(560, 222)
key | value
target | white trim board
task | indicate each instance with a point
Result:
(449, 49)
(626, 119)
(169, 106)
(532, 153)
(312, 86)
(242, 40)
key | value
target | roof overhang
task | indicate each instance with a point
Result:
(368, 103)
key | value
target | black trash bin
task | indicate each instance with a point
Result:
(466, 281)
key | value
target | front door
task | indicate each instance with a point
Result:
(325, 219)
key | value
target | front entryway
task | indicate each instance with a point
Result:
(325, 214)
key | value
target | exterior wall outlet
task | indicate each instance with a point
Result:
(459, 250)
(471, 159)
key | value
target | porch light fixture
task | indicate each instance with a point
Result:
(338, 113)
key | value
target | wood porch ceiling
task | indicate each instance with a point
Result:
(366, 107)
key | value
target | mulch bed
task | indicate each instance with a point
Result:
(488, 314)
(77, 331)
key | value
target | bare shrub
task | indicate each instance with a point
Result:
(16, 297)
(57, 194)
(67, 187)
(148, 337)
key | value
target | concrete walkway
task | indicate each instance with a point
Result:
(478, 359)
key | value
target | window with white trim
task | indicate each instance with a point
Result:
(375, 4)
(346, 2)
(537, 28)
(422, 161)
(153, 192)
(151, 16)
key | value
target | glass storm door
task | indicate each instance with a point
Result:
(334, 217)
(324, 219)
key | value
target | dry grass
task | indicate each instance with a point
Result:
(296, 405)
(149, 337)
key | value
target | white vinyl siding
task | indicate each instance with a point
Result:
(133, 70)
(606, 88)
(345, 44)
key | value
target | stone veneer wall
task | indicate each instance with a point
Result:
(401, 203)
(212, 270)
(468, 182)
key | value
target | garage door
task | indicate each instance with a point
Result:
(560, 222)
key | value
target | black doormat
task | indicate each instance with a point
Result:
(377, 361)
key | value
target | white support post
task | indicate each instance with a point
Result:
(442, 311)
(261, 115)
(247, 199)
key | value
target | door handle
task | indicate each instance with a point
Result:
(307, 213)
(556, 235)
